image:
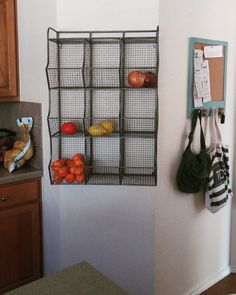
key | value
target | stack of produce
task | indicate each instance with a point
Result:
(70, 170)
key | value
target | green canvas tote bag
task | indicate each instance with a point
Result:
(194, 169)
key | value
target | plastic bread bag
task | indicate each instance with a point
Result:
(22, 148)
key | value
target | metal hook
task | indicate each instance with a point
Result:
(204, 112)
(221, 113)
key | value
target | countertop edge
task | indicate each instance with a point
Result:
(20, 175)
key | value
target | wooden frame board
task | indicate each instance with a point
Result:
(217, 70)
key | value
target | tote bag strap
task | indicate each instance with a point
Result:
(196, 116)
(203, 144)
(217, 128)
(213, 129)
(193, 126)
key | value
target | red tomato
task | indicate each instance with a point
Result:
(79, 162)
(70, 163)
(70, 178)
(77, 157)
(57, 178)
(80, 178)
(63, 171)
(77, 170)
(136, 79)
(57, 164)
(69, 128)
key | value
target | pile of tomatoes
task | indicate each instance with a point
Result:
(70, 170)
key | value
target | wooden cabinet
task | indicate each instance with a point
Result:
(20, 233)
(8, 51)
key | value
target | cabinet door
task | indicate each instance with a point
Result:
(19, 246)
(8, 51)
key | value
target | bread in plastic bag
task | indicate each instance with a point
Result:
(22, 149)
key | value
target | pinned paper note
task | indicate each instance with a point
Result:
(205, 80)
(213, 51)
(196, 100)
(202, 87)
(198, 58)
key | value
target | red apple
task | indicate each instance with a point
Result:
(150, 79)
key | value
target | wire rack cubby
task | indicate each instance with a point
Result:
(87, 74)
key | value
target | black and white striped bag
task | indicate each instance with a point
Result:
(218, 190)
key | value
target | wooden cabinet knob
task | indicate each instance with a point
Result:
(3, 199)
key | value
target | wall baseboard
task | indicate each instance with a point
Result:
(210, 281)
(233, 269)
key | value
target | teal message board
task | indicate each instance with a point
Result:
(207, 70)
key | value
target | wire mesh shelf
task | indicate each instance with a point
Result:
(88, 81)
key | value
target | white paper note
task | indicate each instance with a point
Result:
(198, 57)
(205, 80)
(213, 51)
(196, 100)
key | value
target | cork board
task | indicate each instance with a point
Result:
(217, 70)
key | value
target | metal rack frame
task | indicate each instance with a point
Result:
(87, 79)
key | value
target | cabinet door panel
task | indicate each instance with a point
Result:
(8, 50)
(19, 246)
(18, 193)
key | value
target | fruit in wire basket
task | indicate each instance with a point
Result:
(108, 125)
(57, 164)
(77, 157)
(70, 178)
(77, 170)
(63, 171)
(80, 178)
(79, 163)
(96, 130)
(150, 79)
(57, 178)
(69, 169)
(136, 79)
(68, 128)
(104, 127)
(70, 163)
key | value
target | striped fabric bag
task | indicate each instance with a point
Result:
(218, 190)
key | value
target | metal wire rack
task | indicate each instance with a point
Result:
(87, 74)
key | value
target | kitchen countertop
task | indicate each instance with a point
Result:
(81, 278)
(23, 173)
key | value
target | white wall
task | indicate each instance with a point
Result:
(34, 17)
(111, 227)
(114, 228)
(192, 245)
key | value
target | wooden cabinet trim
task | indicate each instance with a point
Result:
(9, 85)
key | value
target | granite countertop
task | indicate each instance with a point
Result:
(23, 173)
(81, 279)
(9, 113)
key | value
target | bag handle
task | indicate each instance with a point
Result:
(196, 116)
(218, 134)
(215, 130)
